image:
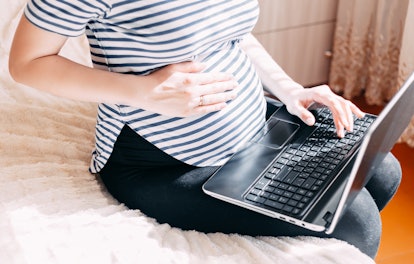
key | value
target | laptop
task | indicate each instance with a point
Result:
(305, 175)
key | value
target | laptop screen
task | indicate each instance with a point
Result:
(379, 141)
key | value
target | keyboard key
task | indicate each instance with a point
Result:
(274, 183)
(292, 203)
(298, 182)
(274, 197)
(291, 177)
(292, 189)
(273, 204)
(297, 197)
(256, 199)
(287, 208)
(308, 183)
(314, 188)
(262, 183)
(255, 191)
(279, 191)
(302, 191)
(269, 189)
(283, 200)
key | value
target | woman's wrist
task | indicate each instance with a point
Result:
(283, 88)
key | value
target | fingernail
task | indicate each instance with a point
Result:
(346, 124)
(236, 90)
(309, 121)
(234, 94)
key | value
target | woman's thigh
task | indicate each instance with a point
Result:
(385, 181)
(175, 196)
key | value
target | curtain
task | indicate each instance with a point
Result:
(373, 51)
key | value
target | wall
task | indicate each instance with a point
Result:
(299, 34)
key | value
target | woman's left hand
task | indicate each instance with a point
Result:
(342, 110)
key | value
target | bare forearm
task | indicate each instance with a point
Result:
(272, 75)
(62, 77)
(35, 61)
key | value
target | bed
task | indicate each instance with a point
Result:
(52, 210)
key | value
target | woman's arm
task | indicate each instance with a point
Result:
(273, 77)
(293, 95)
(174, 90)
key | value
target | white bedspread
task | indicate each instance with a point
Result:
(53, 211)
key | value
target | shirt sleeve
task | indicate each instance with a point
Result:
(65, 17)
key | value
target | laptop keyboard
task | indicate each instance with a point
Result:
(298, 175)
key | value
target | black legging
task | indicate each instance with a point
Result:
(145, 178)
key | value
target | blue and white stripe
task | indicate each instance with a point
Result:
(138, 37)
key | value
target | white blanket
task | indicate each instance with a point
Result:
(53, 211)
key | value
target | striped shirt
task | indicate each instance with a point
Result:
(138, 37)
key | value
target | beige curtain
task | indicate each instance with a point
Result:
(373, 50)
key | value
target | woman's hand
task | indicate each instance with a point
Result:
(183, 90)
(342, 110)
(293, 95)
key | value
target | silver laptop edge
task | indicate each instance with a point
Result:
(362, 151)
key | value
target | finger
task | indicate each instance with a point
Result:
(355, 109)
(350, 109)
(187, 67)
(204, 109)
(340, 130)
(211, 78)
(304, 114)
(339, 116)
(340, 108)
(216, 98)
(350, 118)
(342, 116)
(217, 88)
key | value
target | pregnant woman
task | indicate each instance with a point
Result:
(180, 90)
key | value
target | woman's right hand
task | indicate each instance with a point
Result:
(182, 90)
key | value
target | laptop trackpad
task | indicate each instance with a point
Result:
(277, 133)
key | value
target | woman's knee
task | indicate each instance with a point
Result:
(391, 168)
(361, 224)
(384, 183)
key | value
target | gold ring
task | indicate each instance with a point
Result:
(201, 103)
